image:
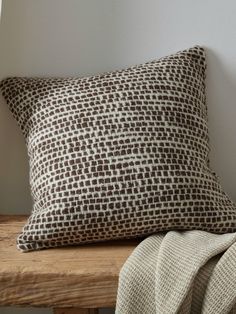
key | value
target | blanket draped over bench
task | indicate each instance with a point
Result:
(180, 272)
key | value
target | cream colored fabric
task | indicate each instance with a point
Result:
(180, 272)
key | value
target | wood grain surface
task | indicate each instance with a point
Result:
(83, 276)
(75, 311)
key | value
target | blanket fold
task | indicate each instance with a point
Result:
(180, 272)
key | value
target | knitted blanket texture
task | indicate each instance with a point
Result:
(180, 272)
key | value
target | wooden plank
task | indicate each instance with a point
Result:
(75, 311)
(83, 276)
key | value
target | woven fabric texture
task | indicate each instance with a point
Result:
(119, 155)
(184, 272)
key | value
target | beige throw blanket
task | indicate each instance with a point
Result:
(180, 272)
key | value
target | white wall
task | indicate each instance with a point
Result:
(80, 37)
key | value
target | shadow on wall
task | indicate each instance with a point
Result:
(221, 122)
(14, 190)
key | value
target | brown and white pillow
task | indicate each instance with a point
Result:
(119, 155)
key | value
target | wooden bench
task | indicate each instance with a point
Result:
(75, 280)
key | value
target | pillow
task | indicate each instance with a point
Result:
(119, 155)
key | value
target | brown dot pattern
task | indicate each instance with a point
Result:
(119, 155)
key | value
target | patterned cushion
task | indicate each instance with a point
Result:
(119, 155)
